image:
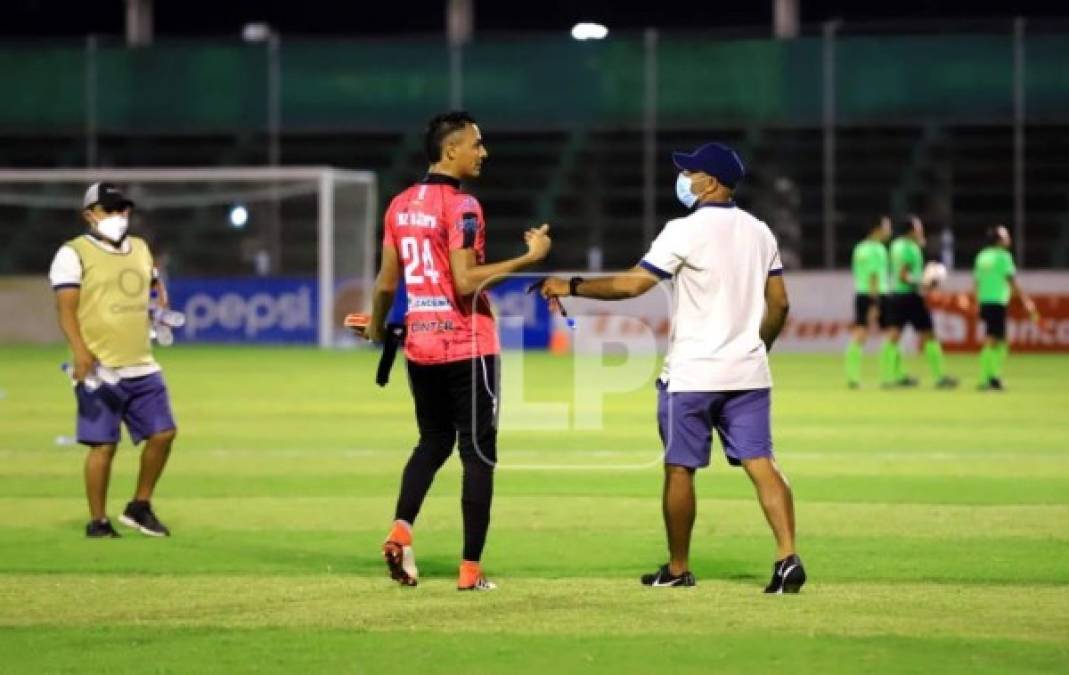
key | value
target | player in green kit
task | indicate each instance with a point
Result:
(908, 306)
(996, 282)
(871, 285)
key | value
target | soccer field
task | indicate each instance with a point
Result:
(934, 526)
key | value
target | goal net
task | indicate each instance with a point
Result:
(253, 254)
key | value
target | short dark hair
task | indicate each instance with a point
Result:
(877, 222)
(439, 127)
(905, 226)
(992, 234)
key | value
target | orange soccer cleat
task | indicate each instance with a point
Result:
(472, 579)
(399, 557)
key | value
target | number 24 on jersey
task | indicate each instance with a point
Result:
(410, 254)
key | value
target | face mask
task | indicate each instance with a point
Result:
(683, 192)
(113, 228)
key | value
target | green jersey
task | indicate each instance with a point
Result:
(870, 258)
(905, 253)
(993, 269)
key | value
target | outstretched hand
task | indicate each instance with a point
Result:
(554, 287)
(551, 288)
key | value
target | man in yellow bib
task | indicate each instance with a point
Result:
(103, 281)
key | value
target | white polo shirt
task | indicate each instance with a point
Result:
(720, 257)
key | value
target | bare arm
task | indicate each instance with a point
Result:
(629, 284)
(383, 292)
(163, 299)
(469, 276)
(67, 310)
(776, 308)
(1029, 306)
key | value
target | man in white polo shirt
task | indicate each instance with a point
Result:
(730, 303)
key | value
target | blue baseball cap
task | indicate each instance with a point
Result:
(715, 159)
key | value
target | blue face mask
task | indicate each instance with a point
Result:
(683, 193)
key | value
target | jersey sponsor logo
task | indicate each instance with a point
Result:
(416, 219)
(430, 326)
(428, 303)
(130, 308)
(132, 282)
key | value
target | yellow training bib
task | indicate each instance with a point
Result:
(113, 306)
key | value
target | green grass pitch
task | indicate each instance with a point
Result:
(934, 525)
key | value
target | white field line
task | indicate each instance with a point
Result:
(644, 459)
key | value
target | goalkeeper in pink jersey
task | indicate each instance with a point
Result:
(435, 236)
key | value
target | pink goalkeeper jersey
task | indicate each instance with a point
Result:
(424, 223)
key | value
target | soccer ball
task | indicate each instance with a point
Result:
(935, 273)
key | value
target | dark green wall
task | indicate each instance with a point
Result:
(531, 83)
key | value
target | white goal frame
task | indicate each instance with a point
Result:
(326, 178)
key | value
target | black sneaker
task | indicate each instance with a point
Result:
(100, 529)
(904, 383)
(993, 384)
(663, 577)
(788, 576)
(139, 516)
(947, 382)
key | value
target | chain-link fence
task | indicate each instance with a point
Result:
(964, 125)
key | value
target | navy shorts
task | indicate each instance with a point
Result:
(909, 309)
(994, 317)
(686, 420)
(142, 403)
(862, 302)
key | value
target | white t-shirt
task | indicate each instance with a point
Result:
(721, 258)
(66, 271)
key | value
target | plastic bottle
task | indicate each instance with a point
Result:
(163, 320)
(98, 376)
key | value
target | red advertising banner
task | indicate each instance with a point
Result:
(960, 330)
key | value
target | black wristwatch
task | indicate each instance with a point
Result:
(572, 284)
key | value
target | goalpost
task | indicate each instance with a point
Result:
(249, 223)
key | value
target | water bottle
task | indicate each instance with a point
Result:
(90, 383)
(170, 318)
(163, 320)
(98, 376)
(164, 336)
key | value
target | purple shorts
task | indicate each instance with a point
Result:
(141, 402)
(686, 420)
